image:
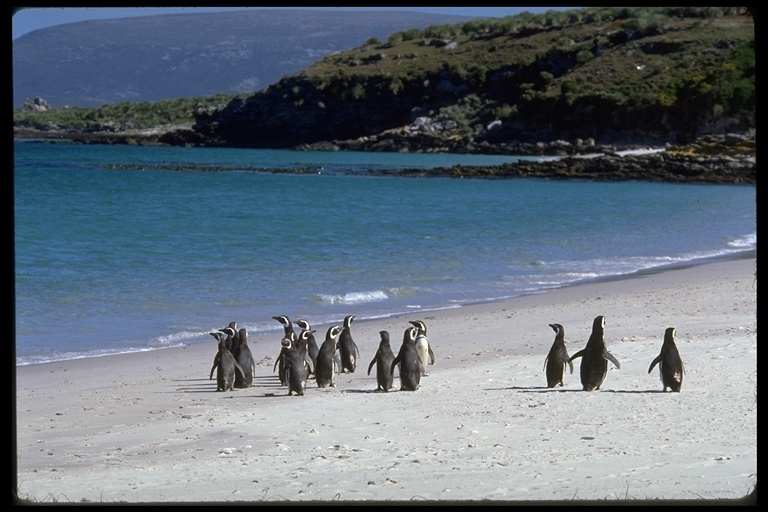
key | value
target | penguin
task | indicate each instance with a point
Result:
(423, 347)
(305, 342)
(295, 367)
(327, 359)
(219, 336)
(244, 358)
(280, 361)
(670, 365)
(347, 348)
(408, 359)
(285, 322)
(557, 359)
(312, 348)
(595, 357)
(231, 332)
(288, 331)
(226, 367)
(383, 361)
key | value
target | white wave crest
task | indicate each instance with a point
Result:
(352, 297)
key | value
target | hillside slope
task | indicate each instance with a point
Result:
(617, 74)
(151, 58)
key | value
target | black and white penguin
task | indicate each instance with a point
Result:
(557, 359)
(286, 323)
(226, 367)
(219, 337)
(423, 347)
(288, 332)
(347, 349)
(408, 361)
(670, 365)
(244, 358)
(231, 334)
(327, 360)
(595, 357)
(295, 366)
(383, 361)
(280, 361)
(312, 347)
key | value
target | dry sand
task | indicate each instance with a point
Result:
(150, 427)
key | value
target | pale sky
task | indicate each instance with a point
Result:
(29, 19)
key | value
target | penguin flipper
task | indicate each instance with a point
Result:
(216, 359)
(612, 359)
(571, 365)
(545, 363)
(576, 355)
(431, 355)
(239, 368)
(654, 363)
(310, 364)
(395, 362)
(373, 361)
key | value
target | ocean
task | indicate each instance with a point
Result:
(128, 248)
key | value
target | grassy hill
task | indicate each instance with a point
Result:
(662, 74)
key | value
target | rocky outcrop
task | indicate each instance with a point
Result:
(659, 167)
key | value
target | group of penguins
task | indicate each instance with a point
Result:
(300, 357)
(595, 357)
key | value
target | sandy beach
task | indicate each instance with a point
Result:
(151, 427)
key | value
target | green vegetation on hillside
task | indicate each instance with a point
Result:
(572, 73)
(122, 116)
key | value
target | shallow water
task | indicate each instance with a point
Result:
(112, 260)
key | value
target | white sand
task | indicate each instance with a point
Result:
(150, 427)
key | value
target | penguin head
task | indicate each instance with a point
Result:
(332, 332)
(216, 335)
(303, 324)
(669, 336)
(384, 335)
(409, 336)
(348, 321)
(289, 340)
(421, 326)
(557, 328)
(598, 325)
(284, 320)
(228, 330)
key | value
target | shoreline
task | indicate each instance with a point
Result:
(149, 427)
(747, 254)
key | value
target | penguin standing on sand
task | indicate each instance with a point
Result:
(423, 347)
(594, 365)
(244, 358)
(295, 366)
(557, 359)
(670, 365)
(226, 366)
(327, 360)
(288, 332)
(231, 332)
(280, 361)
(312, 347)
(383, 361)
(220, 337)
(408, 361)
(347, 348)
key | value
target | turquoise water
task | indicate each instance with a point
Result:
(111, 260)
